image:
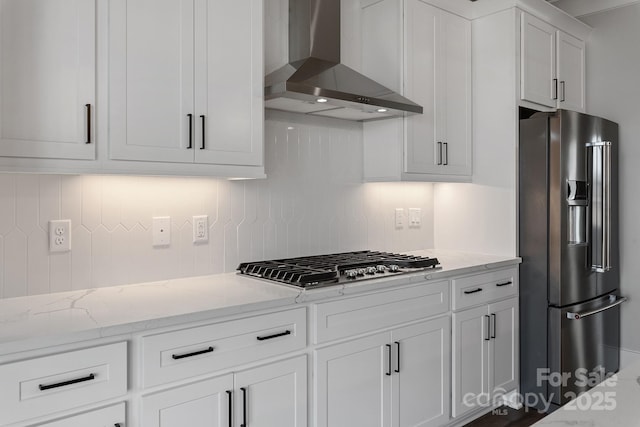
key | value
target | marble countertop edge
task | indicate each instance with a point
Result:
(28, 323)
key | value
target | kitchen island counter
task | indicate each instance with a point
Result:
(614, 402)
(28, 323)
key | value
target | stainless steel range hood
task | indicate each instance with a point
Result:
(315, 82)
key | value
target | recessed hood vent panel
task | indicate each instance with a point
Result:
(315, 73)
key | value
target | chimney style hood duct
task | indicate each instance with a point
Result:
(315, 82)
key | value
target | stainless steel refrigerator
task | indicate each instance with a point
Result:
(568, 240)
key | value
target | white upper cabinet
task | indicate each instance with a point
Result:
(552, 66)
(433, 69)
(47, 78)
(181, 89)
(539, 81)
(571, 72)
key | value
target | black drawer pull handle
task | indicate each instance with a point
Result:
(244, 407)
(504, 284)
(269, 337)
(388, 373)
(230, 397)
(204, 138)
(190, 117)
(473, 291)
(43, 387)
(88, 107)
(195, 353)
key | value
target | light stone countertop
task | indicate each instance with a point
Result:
(28, 323)
(613, 403)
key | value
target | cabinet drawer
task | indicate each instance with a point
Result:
(483, 288)
(42, 386)
(351, 316)
(195, 351)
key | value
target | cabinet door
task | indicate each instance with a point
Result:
(504, 347)
(421, 151)
(571, 74)
(538, 67)
(453, 94)
(229, 81)
(151, 80)
(47, 78)
(422, 368)
(353, 383)
(470, 377)
(274, 395)
(202, 404)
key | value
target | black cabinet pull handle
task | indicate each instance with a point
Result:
(269, 337)
(244, 407)
(388, 373)
(473, 291)
(488, 321)
(446, 153)
(117, 425)
(88, 107)
(439, 153)
(504, 284)
(204, 121)
(397, 356)
(230, 399)
(43, 387)
(555, 90)
(562, 88)
(195, 353)
(493, 325)
(190, 146)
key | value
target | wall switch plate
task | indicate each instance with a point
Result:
(399, 218)
(415, 217)
(161, 231)
(60, 235)
(200, 229)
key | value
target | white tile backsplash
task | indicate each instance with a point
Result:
(312, 202)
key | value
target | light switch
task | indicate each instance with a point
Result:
(415, 217)
(400, 218)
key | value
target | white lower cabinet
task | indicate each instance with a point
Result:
(485, 354)
(273, 395)
(396, 378)
(112, 416)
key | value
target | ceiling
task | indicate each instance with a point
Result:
(588, 7)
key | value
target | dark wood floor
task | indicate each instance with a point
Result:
(507, 417)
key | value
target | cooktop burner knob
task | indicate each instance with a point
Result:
(361, 271)
(381, 268)
(394, 268)
(371, 270)
(351, 274)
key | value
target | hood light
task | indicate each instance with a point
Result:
(322, 100)
(382, 110)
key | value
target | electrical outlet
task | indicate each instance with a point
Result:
(60, 235)
(415, 217)
(400, 218)
(161, 231)
(200, 229)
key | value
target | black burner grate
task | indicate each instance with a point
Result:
(326, 269)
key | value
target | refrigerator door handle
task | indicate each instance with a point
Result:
(614, 301)
(601, 210)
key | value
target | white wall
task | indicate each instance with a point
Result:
(312, 202)
(613, 91)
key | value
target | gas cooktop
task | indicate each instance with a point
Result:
(326, 270)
